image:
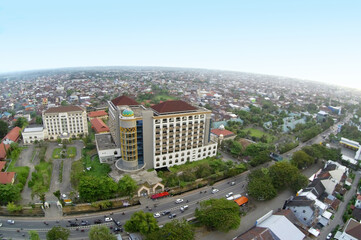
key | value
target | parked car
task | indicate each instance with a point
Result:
(215, 190)
(172, 215)
(179, 200)
(156, 215)
(229, 194)
(11, 221)
(108, 219)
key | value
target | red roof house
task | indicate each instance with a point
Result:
(98, 114)
(3, 150)
(2, 165)
(124, 100)
(99, 126)
(224, 132)
(7, 177)
(12, 136)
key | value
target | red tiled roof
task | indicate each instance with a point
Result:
(97, 114)
(64, 109)
(124, 100)
(6, 177)
(173, 106)
(3, 149)
(224, 132)
(13, 135)
(2, 165)
(99, 126)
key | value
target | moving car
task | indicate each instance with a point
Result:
(179, 200)
(156, 215)
(11, 221)
(172, 215)
(233, 183)
(108, 219)
(185, 207)
(98, 221)
(215, 190)
(165, 213)
(229, 194)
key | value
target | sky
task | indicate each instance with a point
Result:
(306, 39)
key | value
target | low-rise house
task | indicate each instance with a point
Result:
(2, 165)
(358, 202)
(304, 210)
(3, 150)
(222, 134)
(351, 231)
(12, 136)
(98, 114)
(99, 126)
(7, 177)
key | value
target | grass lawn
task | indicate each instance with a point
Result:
(71, 152)
(97, 169)
(41, 178)
(56, 153)
(163, 97)
(258, 133)
(190, 165)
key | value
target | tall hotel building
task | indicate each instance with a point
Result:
(167, 134)
(65, 122)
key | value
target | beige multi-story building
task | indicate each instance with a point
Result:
(167, 134)
(65, 122)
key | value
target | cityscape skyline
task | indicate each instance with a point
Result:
(305, 40)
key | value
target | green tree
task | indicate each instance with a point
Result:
(298, 182)
(39, 120)
(301, 159)
(141, 222)
(58, 233)
(101, 233)
(260, 185)
(282, 174)
(127, 186)
(174, 230)
(219, 214)
(93, 188)
(64, 103)
(21, 122)
(11, 207)
(4, 128)
(9, 193)
(33, 235)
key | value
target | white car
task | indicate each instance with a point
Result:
(179, 200)
(1, 224)
(229, 194)
(156, 215)
(108, 219)
(215, 190)
(329, 236)
(185, 207)
(11, 221)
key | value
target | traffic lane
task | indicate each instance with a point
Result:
(162, 206)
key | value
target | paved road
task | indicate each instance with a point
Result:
(162, 204)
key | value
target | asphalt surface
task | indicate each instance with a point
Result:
(23, 225)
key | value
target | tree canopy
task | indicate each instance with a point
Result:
(4, 128)
(21, 122)
(127, 186)
(34, 235)
(219, 214)
(260, 185)
(100, 233)
(174, 230)
(93, 188)
(141, 222)
(58, 233)
(301, 159)
(9, 193)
